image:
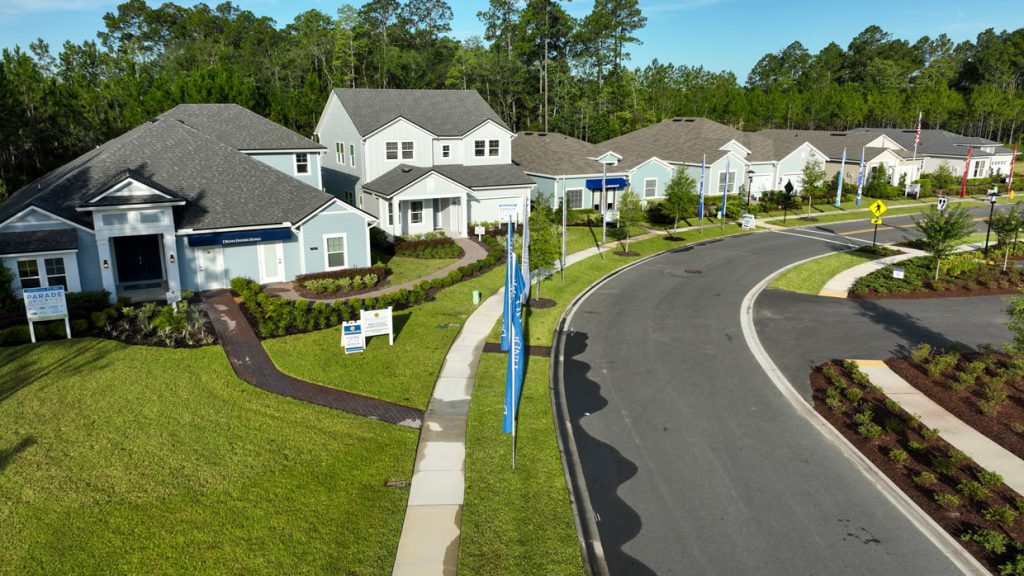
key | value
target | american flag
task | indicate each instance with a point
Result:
(917, 138)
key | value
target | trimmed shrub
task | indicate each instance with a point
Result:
(379, 271)
(432, 248)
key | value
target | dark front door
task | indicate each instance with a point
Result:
(138, 258)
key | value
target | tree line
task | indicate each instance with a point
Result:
(538, 67)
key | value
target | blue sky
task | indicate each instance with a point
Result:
(718, 34)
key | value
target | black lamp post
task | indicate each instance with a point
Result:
(750, 185)
(992, 196)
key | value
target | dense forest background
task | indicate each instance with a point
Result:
(540, 69)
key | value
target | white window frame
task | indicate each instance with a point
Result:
(494, 150)
(413, 213)
(352, 155)
(42, 275)
(412, 150)
(391, 213)
(479, 148)
(344, 251)
(446, 150)
(568, 195)
(39, 277)
(159, 217)
(307, 164)
(387, 151)
(979, 169)
(45, 272)
(653, 192)
(731, 181)
(339, 152)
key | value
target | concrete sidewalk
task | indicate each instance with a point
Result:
(985, 452)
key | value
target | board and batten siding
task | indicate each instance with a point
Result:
(342, 180)
(487, 131)
(400, 131)
(334, 220)
(188, 269)
(483, 204)
(285, 163)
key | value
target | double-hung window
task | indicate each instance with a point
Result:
(416, 212)
(979, 169)
(352, 155)
(339, 152)
(575, 196)
(493, 147)
(28, 274)
(391, 214)
(446, 151)
(650, 187)
(726, 179)
(55, 274)
(407, 150)
(391, 150)
(334, 251)
(302, 163)
(479, 148)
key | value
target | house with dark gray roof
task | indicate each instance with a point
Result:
(420, 160)
(988, 157)
(199, 195)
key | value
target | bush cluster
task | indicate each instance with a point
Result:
(381, 272)
(432, 248)
(275, 316)
(340, 286)
(171, 326)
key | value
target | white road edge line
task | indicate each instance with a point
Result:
(967, 563)
(816, 238)
(832, 234)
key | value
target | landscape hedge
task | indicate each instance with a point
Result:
(381, 272)
(274, 316)
(432, 248)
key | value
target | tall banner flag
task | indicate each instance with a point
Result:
(860, 178)
(700, 190)
(1009, 179)
(967, 166)
(526, 251)
(917, 136)
(506, 316)
(725, 190)
(515, 366)
(839, 188)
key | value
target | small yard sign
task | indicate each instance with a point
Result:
(941, 203)
(479, 231)
(897, 273)
(45, 303)
(352, 338)
(506, 211)
(748, 222)
(377, 323)
(611, 216)
(878, 208)
(914, 189)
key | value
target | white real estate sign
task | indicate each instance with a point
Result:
(378, 323)
(506, 211)
(352, 337)
(46, 303)
(748, 222)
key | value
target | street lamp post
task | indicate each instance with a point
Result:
(992, 196)
(750, 186)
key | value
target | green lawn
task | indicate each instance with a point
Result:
(136, 460)
(866, 216)
(518, 521)
(405, 373)
(404, 269)
(810, 277)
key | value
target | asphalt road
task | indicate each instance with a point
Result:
(694, 461)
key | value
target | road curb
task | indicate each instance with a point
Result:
(963, 560)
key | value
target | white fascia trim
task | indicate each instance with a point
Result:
(323, 112)
(486, 121)
(124, 183)
(335, 202)
(47, 213)
(123, 206)
(736, 142)
(654, 159)
(39, 253)
(508, 186)
(418, 180)
(317, 149)
(190, 231)
(563, 176)
(393, 122)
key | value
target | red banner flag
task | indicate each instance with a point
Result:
(967, 166)
(1009, 179)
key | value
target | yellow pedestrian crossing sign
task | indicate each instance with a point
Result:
(876, 221)
(878, 208)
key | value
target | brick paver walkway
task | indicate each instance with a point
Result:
(252, 364)
(471, 252)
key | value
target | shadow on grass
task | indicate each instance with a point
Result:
(604, 467)
(28, 366)
(7, 455)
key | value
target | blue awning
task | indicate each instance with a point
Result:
(243, 237)
(595, 183)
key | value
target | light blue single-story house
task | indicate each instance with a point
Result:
(189, 200)
(563, 165)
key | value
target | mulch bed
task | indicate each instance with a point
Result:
(540, 303)
(495, 348)
(626, 253)
(308, 294)
(956, 521)
(952, 291)
(965, 404)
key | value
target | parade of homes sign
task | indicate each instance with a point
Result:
(45, 303)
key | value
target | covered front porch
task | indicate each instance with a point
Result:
(429, 205)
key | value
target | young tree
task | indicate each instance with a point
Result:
(631, 212)
(941, 231)
(1015, 311)
(813, 182)
(545, 244)
(943, 177)
(1006, 223)
(680, 197)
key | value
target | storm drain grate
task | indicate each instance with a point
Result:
(693, 271)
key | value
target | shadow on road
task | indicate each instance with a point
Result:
(604, 467)
(906, 327)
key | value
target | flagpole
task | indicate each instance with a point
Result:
(860, 177)
(564, 208)
(1009, 179)
(839, 188)
(703, 164)
(917, 138)
(725, 192)
(512, 351)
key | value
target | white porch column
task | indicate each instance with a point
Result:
(395, 216)
(106, 264)
(171, 262)
(462, 214)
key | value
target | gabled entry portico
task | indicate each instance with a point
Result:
(433, 202)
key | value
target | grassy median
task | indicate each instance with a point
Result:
(811, 277)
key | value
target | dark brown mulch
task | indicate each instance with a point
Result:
(307, 294)
(539, 303)
(495, 348)
(964, 405)
(626, 253)
(671, 238)
(953, 291)
(956, 522)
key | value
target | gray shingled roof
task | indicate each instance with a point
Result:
(684, 140)
(555, 154)
(442, 112)
(38, 241)
(239, 128)
(395, 180)
(222, 187)
(830, 143)
(939, 142)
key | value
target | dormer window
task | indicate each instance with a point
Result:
(391, 150)
(446, 151)
(407, 150)
(302, 163)
(479, 148)
(493, 147)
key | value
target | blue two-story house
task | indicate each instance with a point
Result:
(199, 195)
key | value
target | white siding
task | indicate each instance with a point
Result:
(376, 161)
(341, 180)
(487, 131)
(455, 149)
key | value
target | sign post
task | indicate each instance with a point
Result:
(46, 303)
(352, 338)
(479, 231)
(377, 323)
(878, 208)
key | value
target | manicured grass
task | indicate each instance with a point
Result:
(866, 216)
(136, 460)
(580, 238)
(515, 521)
(404, 269)
(404, 373)
(810, 277)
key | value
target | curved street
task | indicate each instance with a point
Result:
(694, 462)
